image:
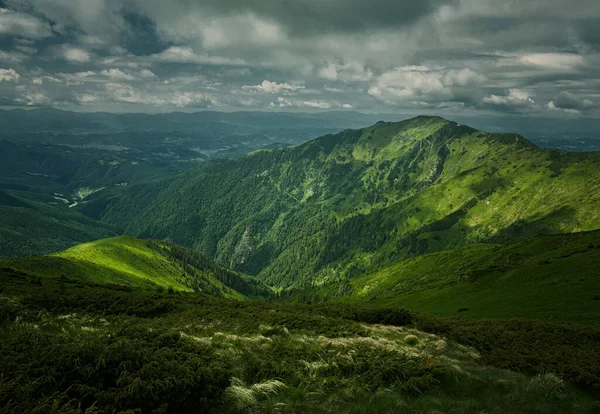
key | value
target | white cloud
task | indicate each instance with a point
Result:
(346, 72)
(35, 98)
(117, 75)
(462, 77)
(515, 99)
(317, 104)
(560, 61)
(9, 75)
(147, 74)
(21, 24)
(28, 50)
(567, 102)
(552, 106)
(233, 31)
(87, 98)
(125, 93)
(298, 103)
(410, 85)
(77, 78)
(273, 87)
(74, 54)
(185, 54)
(247, 102)
(12, 57)
(39, 80)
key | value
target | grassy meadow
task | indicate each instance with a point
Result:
(94, 349)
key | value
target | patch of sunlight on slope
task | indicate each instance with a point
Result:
(119, 260)
(123, 260)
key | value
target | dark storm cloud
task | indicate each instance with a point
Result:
(588, 30)
(567, 100)
(468, 56)
(140, 37)
(316, 16)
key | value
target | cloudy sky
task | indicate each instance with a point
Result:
(530, 57)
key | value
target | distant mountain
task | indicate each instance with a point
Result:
(345, 204)
(175, 136)
(133, 263)
(211, 134)
(47, 120)
(40, 184)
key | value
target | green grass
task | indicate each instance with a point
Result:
(118, 260)
(552, 277)
(133, 263)
(67, 350)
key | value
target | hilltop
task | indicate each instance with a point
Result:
(349, 203)
(133, 263)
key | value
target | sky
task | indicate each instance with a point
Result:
(468, 57)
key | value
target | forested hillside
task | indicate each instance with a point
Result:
(30, 227)
(345, 204)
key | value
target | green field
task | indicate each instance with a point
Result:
(553, 277)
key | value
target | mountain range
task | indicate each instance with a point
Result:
(344, 204)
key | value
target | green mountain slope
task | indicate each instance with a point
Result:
(137, 263)
(29, 227)
(554, 277)
(345, 204)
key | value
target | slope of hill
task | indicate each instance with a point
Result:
(46, 182)
(135, 263)
(345, 204)
(29, 227)
(554, 277)
(95, 349)
(66, 175)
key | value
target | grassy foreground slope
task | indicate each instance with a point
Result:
(29, 227)
(345, 204)
(552, 277)
(135, 263)
(92, 349)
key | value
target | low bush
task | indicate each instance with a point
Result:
(529, 346)
(133, 368)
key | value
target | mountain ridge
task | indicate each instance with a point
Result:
(136, 264)
(343, 203)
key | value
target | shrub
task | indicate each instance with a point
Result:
(411, 340)
(117, 372)
(549, 384)
(534, 347)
